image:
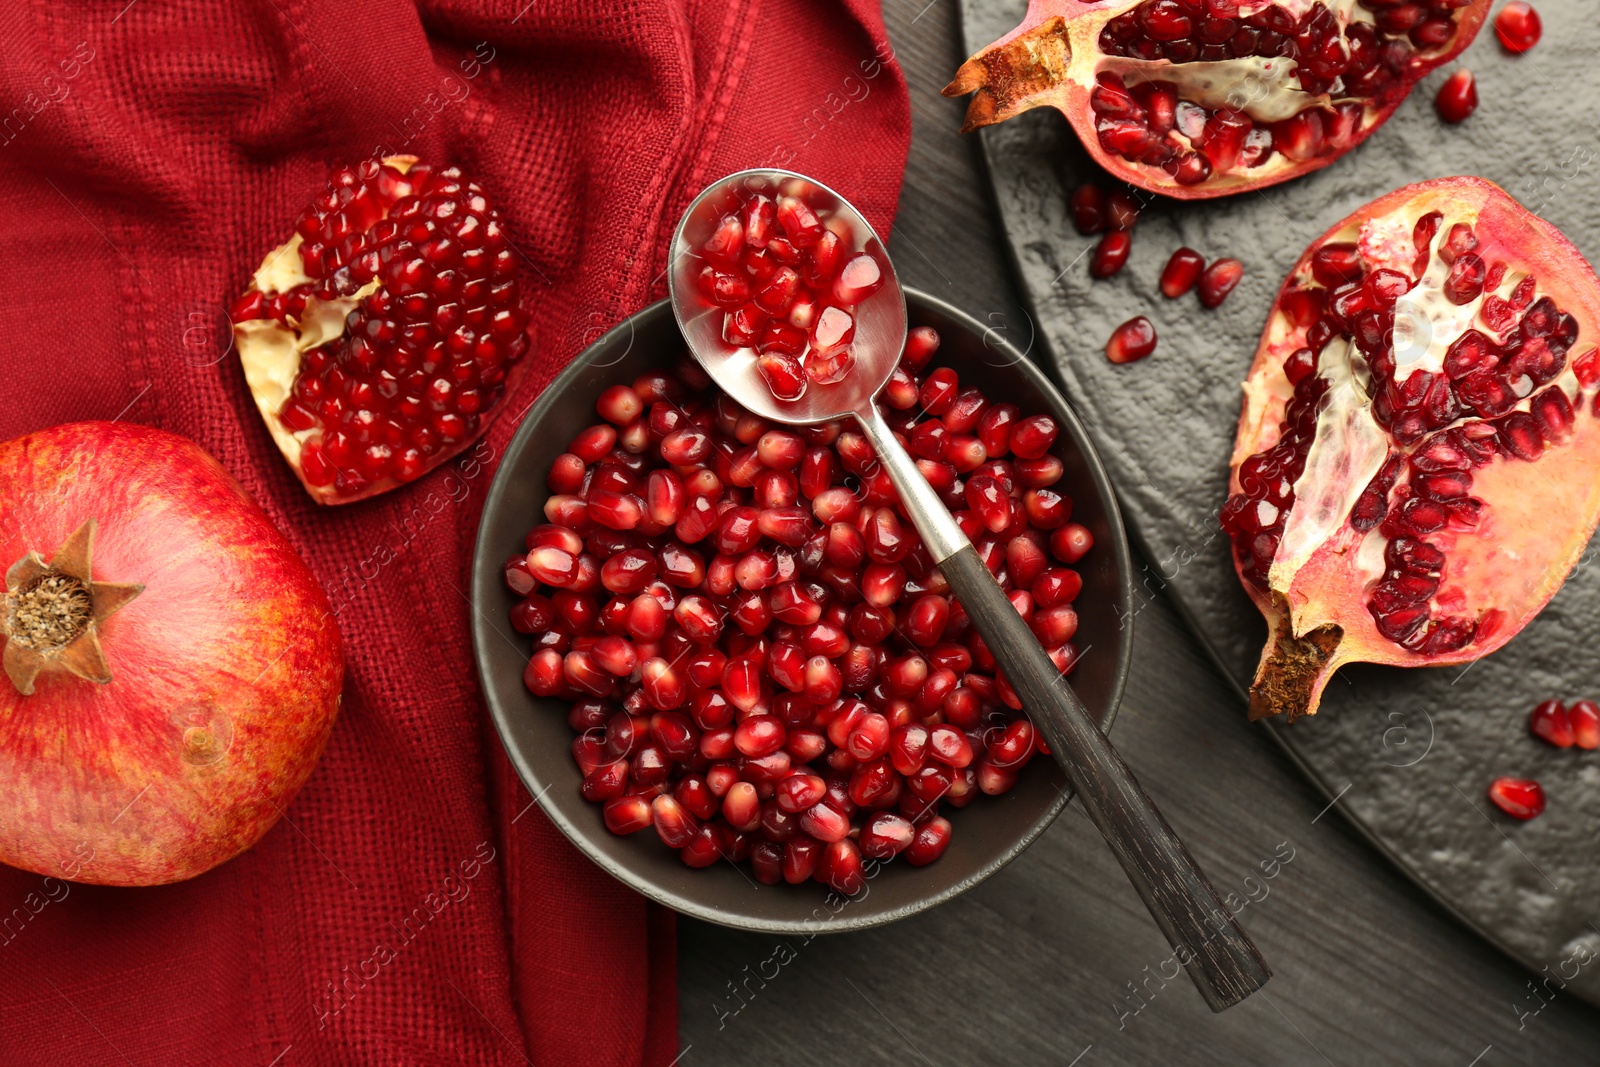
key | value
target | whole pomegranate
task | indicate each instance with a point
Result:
(380, 339)
(172, 668)
(1418, 460)
(1203, 98)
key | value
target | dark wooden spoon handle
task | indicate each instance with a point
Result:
(1221, 959)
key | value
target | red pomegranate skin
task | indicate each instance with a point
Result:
(225, 671)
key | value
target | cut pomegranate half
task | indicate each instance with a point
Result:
(1416, 465)
(381, 337)
(1203, 98)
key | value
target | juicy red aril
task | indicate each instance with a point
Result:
(1179, 275)
(1458, 97)
(1517, 26)
(1134, 339)
(1110, 254)
(1219, 280)
(931, 839)
(1550, 722)
(764, 663)
(1088, 206)
(1584, 716)
(1520, 798)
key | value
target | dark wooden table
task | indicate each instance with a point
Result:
(1054, 960)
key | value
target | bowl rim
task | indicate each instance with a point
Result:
(483, 631)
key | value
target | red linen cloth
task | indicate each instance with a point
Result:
(150, 154)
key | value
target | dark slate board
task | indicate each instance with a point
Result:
(1406, 755)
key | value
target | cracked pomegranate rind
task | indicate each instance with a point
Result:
(380, 338)
(1417, 465)
(1205, 98)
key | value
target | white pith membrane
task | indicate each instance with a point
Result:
(1501, 560)
(270, 350)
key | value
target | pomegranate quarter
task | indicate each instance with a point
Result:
(380, 338)
(1417, 466)
(1203, 98)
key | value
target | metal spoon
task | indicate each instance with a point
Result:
(1220, 957)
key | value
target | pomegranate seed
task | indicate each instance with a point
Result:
(858, 279)
(1219, 280)
(1134, 339)
(619, 405)
(840, 867)
(1088, 206)
(1032, 437)
(921, 343)
(1517, 26)
(627, 815)
(1549, 721)
(824, 822)
(1520, 798)
(1110, 254)
(931, 839)
(1458, 96)
(886, 835)
(1585, 718)
(675, 825)
(1180, 274)
(1122, 211)
(1071, 542)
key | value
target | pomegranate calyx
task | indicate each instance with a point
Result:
(1294, 670)
(54, 612)
(1015, 75)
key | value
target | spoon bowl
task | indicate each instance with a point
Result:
(880, 318)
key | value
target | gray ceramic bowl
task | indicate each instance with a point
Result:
(988, 833)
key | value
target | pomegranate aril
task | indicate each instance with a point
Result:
(1110, 254)
(1550, 722)
(858, 279)
(1219, 280)
(1520, 798)
(932, 838)
(1088, 209)
(783, 374)
(1180, 274)
(1517, 26)
(886, 835)
(627, 814)
(1584, 715)
(1458, 97)
(1133, 340)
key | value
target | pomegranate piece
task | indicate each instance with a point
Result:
(758, 658)
(1517, 26)
(1520, 798)
(1550, 722)
(1133, 340)
(394, 313)
(143, 586)
(1153, 87)
(1181, 272)
(1413, 477)
(1458, 97)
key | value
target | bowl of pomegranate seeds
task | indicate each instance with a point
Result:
(720, 658)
